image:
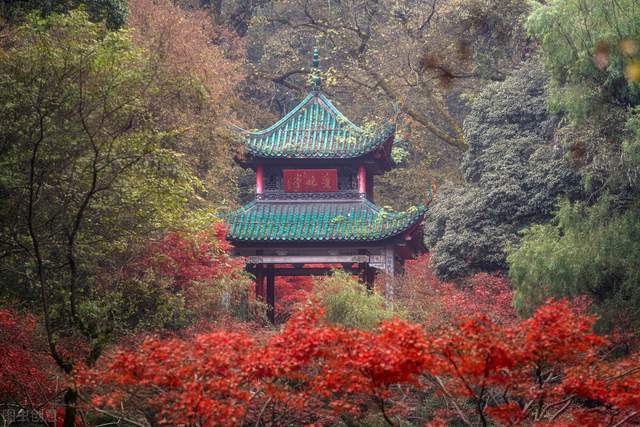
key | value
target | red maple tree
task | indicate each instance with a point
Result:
(436, 303)
(538, 370)
(187, 257)
(26, 371)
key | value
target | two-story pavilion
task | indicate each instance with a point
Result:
(314, 199)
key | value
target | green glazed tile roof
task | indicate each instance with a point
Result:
(317, 220)
(314, 129)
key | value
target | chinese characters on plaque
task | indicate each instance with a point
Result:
(310, 180)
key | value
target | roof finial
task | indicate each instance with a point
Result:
(316, 70)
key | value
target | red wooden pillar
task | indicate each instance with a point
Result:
(259, 179)
(260, 281)
(271, 293)
(362, 179)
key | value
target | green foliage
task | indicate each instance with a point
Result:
(348, 302)
(151, 302)
(90, 170)
(137, 304)
(591, 49)
(400, 152)
(585, 250)
(112, 12)
(513, 176)
(630, 153)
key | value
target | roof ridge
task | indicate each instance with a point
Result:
(342, 120)
(286, 117)
(337, 112)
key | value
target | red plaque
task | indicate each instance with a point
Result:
(310, 180)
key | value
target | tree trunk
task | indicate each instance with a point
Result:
(70, 407)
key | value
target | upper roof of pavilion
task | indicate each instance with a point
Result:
(316, 129)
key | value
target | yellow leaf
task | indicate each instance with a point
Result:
(632, 71)
(629, 46)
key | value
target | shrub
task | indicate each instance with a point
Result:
(347, 302)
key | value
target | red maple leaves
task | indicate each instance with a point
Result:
(192, 257)
(478, 365)
(25, 375)
(515, 372)
(436, 303)
(536, 370)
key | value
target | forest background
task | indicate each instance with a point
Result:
(120, 304)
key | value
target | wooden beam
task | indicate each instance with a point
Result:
(311, 271)
(307, 259)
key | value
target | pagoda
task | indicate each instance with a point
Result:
(314, 204)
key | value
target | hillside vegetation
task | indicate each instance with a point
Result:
(120, 303)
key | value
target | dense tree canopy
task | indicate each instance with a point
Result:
(591, 49)
(87, 169)
(513, 172)
(112, 12)
(93, 167)
(585, 251)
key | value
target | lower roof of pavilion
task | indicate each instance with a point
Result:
(320, 221)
